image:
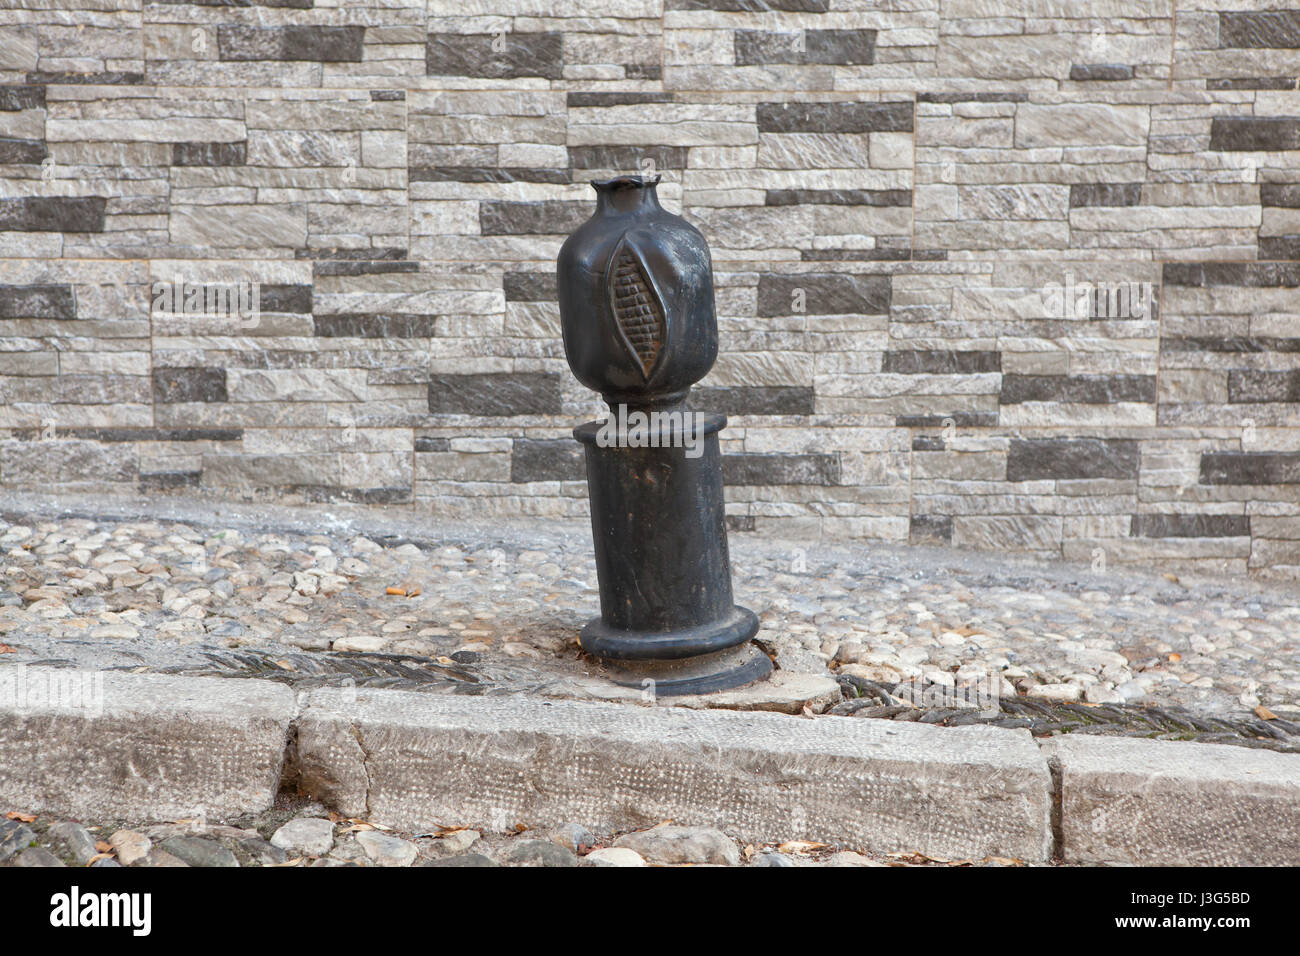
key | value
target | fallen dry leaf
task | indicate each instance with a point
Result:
(6, 649)
(104, 847)
(414, 592)
(99, 856)
(20, 817)
(800, 846)
(1263, 713)
(1175, 658)
(400, 592)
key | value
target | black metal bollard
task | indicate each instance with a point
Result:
(636, 303)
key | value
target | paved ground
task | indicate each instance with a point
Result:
(296, 833)
(386, 597)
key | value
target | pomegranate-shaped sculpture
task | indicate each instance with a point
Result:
(636, 305)
(636, 298)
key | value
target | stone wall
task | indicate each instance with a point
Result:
(908, 202)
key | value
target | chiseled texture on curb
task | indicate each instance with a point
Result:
(414, 760)
(1174, 803)
(152, 746)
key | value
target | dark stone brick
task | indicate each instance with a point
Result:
(551, 217)
(388, 96)
(920, 362)
(161, 434)
(496, 393)
(472, 54)
(1100, 72)
(755, 400)
(1252, 83)
(316, 44)
(37, 302)
(375, 325)
(362, 267)
(1269, 30)
(1285, 195)
(546, 459)
(489, 174)
(751, 6)
(53, 214)
(530, 286)
(972, 96)
(879, 254)
(930, 529)
(1081, 389)
(335, 252)
(1250, 468)
(21, 97)
(840, 47)
(1189, 526)
(643, 71)
(929, 443)
(958, 419)
(824, 294)
(742, 524)
(429, 444)
(104, 78)
(1252, 385)
(1250, 133)
(364, 496)
(838, 197)
(169, 480)
(615, 99)
(744, 469)
(1032, 459)
(627, 157)
(198, 384)
(1260, 274)
(835, 117)
(209, 154)
(291, 4)
(1229, 344)
(1105, 194)
(277, 297)
(1279, 247)
(21, 151)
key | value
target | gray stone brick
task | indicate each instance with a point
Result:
(755, 469)
(1104, 194)
(754, 400)
(375, 325)
(549, 217)
(209, 154)
(838, 197)
(530, 286)
(930, 529)
(21, 151)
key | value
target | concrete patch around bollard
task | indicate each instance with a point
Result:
(1158, 803)
(106, 743)
(416, 760)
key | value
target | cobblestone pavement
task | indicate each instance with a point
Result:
(391, 598)
(296, 833)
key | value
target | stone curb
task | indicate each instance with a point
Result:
(174, 747)
(1172, 803)
(418, 760)
(118, 745)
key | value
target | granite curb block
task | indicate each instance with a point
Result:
(417, 760)
(172, 747)
(1173, 803)
(110, 744)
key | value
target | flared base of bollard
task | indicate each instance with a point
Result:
(706, 674)
(697, 660)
